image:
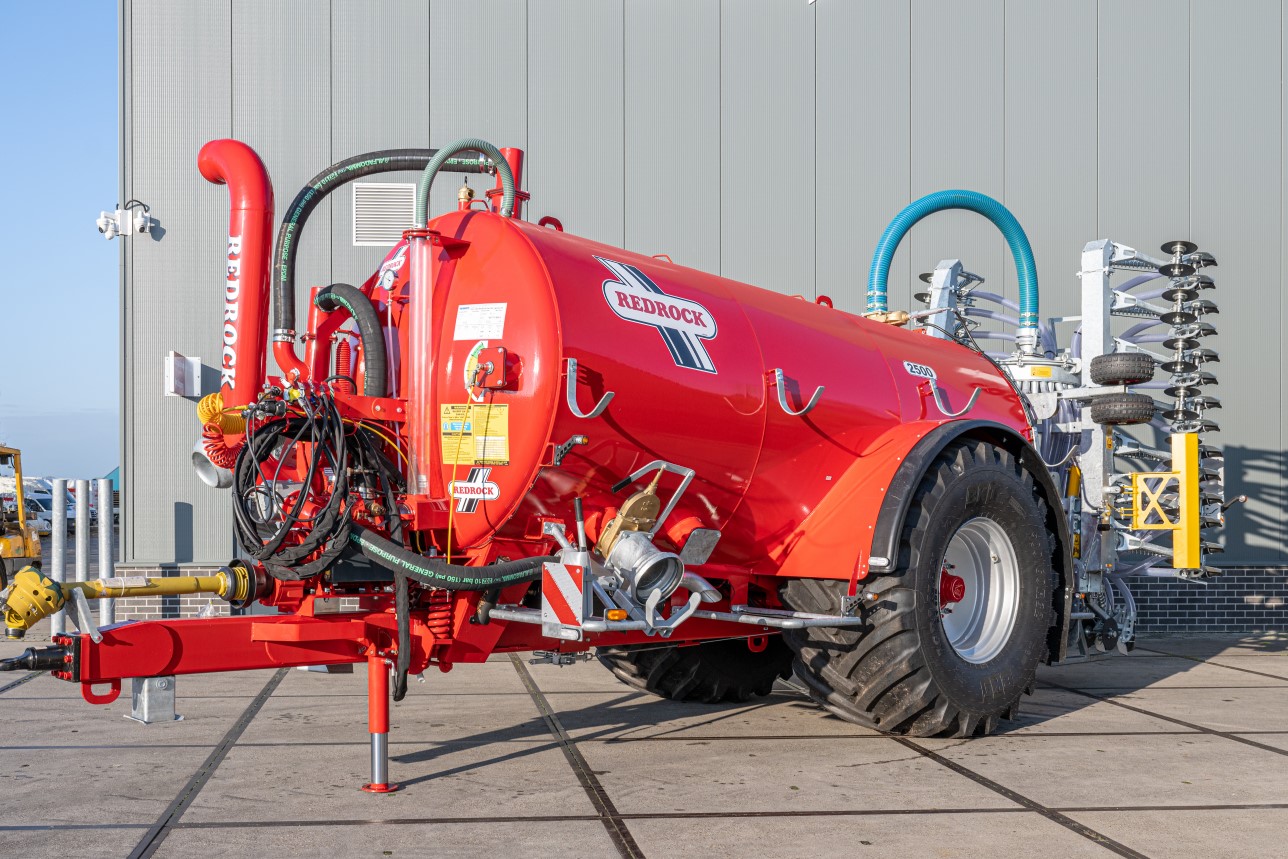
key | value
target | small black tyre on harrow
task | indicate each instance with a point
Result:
(916, 670)
(1122, 368)
(714, 672)
(1123, 409)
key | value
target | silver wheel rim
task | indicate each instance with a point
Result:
(979, 625)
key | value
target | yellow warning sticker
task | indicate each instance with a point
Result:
(1040, 372)
(475, 434)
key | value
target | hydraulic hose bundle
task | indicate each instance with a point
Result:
(265, 516)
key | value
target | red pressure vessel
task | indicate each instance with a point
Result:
(690, 360)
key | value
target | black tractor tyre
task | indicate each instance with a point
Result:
(714, 672)
(900, 673)
(1122, 368)
(1123, 409)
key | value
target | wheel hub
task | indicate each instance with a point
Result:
(951, 588)
(979, 598)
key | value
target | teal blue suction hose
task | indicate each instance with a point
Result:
(467, 144)
(971, 201)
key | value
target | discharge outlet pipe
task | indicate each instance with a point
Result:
(971, 201)
(422, 399)
(250, 225)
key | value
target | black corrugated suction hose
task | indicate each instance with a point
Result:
(437, 573)
(340, 173)
(369, 332)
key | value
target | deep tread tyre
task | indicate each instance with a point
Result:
(900, 674)
(1123, 409)
(712, 673)
(1122, 368)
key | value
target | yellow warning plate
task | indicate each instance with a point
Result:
(475, 434)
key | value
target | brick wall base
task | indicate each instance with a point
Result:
(190, 605)
(1241, 600)
(158, 608)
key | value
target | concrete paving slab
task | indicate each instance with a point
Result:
(1278, 740)
(1133, 672)
(778, 775)
(536, 839)
(333, 708)
(944, 836)
(623, 715)
(1195, 834)
(589, 676)
(1125, 770)
(480, 719)
(70, 843)
(58, 722)
(1232, 710)
(471, 742)
(54, 786)
(1057, 711)
(528, 778)
(1221, 645)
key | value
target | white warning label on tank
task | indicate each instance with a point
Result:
(480, 322)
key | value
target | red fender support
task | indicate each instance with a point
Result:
(250, 231)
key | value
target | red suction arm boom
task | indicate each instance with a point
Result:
(250, 220)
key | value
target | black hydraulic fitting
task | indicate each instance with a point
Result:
(37, 659)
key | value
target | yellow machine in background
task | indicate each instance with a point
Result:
(19, 542)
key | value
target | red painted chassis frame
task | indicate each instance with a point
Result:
(314, 636)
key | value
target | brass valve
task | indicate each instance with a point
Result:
(638, 513)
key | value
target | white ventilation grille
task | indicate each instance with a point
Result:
(381, 211)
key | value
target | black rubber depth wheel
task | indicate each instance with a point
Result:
(915, 670)
(1123, 409)
(712, 673)
(1122, 368)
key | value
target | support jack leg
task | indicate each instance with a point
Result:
(378, 725)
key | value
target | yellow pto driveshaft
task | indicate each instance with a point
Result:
(34, 596)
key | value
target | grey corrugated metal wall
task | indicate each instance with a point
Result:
(769, 140)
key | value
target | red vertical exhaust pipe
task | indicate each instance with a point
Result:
(250, 220)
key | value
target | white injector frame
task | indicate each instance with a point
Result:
(1082, 393)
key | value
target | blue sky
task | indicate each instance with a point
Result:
(59, 386)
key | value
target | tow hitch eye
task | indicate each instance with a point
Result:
(952, 588)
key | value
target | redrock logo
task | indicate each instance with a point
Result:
(232, 294)
(474, 488)
(683, 324)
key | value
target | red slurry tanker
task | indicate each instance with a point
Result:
(510, 438)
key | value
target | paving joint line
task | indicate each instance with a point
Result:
(693, 815)
(1202, 661)
(21, 680)
(682, 815)
(1020, 799)
(158, 831)
(1203, 729)
(608, 814)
